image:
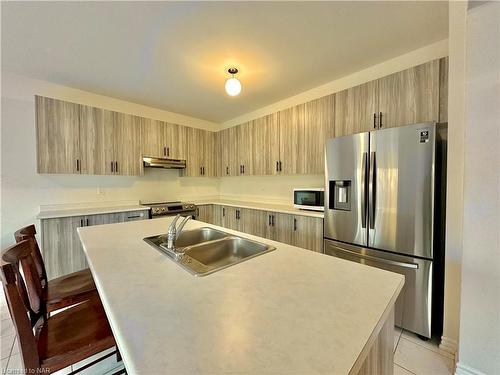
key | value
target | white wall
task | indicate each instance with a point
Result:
(479, 348)
(455, 171)
(267, 189)
(23, 190)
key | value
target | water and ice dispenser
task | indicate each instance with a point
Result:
(340, 195)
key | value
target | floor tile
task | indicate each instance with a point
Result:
(6, 343)
(15, 347)
(6, 328)
(101, 367)
(15, 363)
(398, 370)
(431, 344)
(397, 335)
(420, 360)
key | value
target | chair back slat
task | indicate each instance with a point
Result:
(27, 233)
(20, 312)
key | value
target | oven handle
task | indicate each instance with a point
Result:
(379, 260)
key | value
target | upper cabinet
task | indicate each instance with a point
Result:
(318, 127)
(403, 98)
(265, 145)
(163, 140)
(291, 128)
(410, 96)
(355, 109)
(58, 144)
(73, 138)
(200, 150)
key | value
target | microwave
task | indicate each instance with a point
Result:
(309, 199)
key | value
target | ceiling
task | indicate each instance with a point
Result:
(173, 55)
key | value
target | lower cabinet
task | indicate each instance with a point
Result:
(298, 230)
(61, 247)
(205, 213)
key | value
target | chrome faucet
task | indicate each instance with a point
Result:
(174, 232)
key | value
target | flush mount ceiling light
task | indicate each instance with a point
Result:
(232, 86)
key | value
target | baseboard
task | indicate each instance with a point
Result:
(448, 345)
(466, 370)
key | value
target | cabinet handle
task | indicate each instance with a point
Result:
(243, 168)
(87, 222)
(277, 166)
(274, 217)
(280, 167)
(374, 121)
(201, 171)
(227, 170)
(133, 217)
(77, 165)
(116, 167)
(168, 151)
(223, 212)
(164, 151)
(380, 119)
(112, 167)
(81, 222)
(269, 221)
(294, 224)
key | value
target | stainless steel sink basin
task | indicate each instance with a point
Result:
(208, 250)
(189, 237)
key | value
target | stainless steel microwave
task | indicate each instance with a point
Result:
(309, 199)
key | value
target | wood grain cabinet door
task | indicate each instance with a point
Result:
(153, 138)
(57, 125)
(209, 155)
(97, 142)
(244, 134)
(196, 151)
(205, 213)
(175, 141)
(253, 222)
(231, 217)
(308, 232)
(127, 144)
(265, 145)
(61, 247)
(355, 109)
(410, 96)
(319, 125)
(291, 128)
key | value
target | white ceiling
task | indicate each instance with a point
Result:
(173, 55)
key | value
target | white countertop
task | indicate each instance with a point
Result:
(282, 208)
(55, 211)
(290, 311)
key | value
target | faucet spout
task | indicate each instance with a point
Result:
(181, 226)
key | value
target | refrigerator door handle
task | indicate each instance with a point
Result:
(363, 190)
(379, 260)
(372, 190)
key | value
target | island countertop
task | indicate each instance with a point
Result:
(290, 311)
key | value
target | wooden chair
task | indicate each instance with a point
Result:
(48, 344)
(63, 291)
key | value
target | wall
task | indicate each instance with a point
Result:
(455, 170)
(267, 189)
(23, 190)
(479, 350)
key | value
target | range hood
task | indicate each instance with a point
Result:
(151, 162)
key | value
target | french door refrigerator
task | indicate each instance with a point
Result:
(383, 199)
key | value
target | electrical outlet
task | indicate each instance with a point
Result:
(100, 191)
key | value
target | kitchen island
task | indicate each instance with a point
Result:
(290, 311)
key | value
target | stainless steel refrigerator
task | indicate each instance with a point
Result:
(383, 207)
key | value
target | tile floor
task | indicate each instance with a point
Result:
(411, 355)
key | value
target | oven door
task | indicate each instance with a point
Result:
(414, 304)
(309, 199)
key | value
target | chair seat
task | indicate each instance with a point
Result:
(73, 335)
(70, 289)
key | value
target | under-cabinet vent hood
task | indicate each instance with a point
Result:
(150, 162)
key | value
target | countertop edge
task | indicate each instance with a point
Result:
(261, 207)
(53, 214)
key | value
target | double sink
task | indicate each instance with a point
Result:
(207, 250)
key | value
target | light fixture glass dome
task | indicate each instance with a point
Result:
(233, 86)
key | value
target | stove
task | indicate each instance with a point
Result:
(160, 209)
